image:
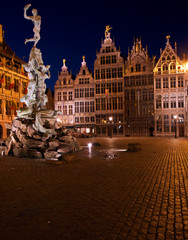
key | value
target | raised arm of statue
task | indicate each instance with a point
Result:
(25, 11)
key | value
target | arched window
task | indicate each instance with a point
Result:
(165, 67)
(173, 57)
(173, 66)
(163, 59)
(168, 58)
(64, 81)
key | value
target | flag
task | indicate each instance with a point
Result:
(2, 79)
(11, 86)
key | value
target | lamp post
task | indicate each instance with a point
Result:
(175, 117)
(110, 121)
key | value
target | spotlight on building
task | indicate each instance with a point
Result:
(186, 66)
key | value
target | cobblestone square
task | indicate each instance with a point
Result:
(134, 195)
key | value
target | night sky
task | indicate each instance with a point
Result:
(71, 29)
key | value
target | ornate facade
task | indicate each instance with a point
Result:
(170, 93)
(75, 99)
(139, 92)
(13, 85)
(109, 89)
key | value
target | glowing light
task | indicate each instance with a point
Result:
(58, 120)
(110, 118)
(186, 66)
(89, 145)
(87, 130)
(175, 116)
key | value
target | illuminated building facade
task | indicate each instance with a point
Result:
(170, 93)
(13, 85)
(75, 99)
(139, 92)
(109, 89)
(64, 96)
(84, 100)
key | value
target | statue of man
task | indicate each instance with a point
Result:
(107, 31)
(36, 19)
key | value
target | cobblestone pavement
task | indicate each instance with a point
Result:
(135, 195)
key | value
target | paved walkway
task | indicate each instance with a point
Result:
(136, 195)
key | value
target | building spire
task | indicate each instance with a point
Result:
(64, 66)
(83, 62)
(168, 37)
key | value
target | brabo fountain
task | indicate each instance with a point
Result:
(35, 132)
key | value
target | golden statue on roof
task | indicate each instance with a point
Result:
(107, 31)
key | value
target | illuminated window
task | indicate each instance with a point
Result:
(81, 107)
(173, 82)
(70, 96)
(70, 109)
(173, 101)
(180, 100)
(65, 96)
(165, 82)
(65, 110)
(158, 101)
(158, 83)
(59, 96)
(180, 81)
(165, 101)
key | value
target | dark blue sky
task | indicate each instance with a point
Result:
(71, 29)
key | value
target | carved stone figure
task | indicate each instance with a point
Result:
(36, 19)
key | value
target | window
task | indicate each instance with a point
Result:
(77, 107)
(158, 101)
(87, 119)
(144, 94)
(109, 104)
(70, 96)
(64, 96)
(173, 100)
(59, 108)
(84, 72)
(102, 87)
(8, 107)
(151, 94)
(70, 110)
(165, 101)
(107, 49)
(65, 110)
(173, 66)
(120, 87)
(173, 82)
(114, 87)
(108, 59)
(102, 60)
(7, 82)
(24, 87)
(109, 85)
(108, 73)
(158, 83)
(76, 93)
(86, 107)
(16, 85)
(166, 123)
(103, 106)
(120, 103)
(144, 68)
(86, 80)
(102, 73)
(165, 82)
(180, 81)
(132, 94)
(132, 69)
(114, 73)
(64, 81)
(98, 104)
(98, 88)
(81, 107)
(180, 100)
(113, 58)
(97, 74)
(165, 67)
(159, 124)
(138, 67)
(1, 106)
(92, 119)
(92, 106)
(77, 119)
(81, 119)
(114, 102)
(86, 92)
(81, 92)
(59, 96)
(120, 73)
(91, 92)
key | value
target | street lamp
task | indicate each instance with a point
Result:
(175, 117)
(110, 121)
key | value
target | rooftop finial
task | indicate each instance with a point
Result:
(64, 60)
(107, 33)
(83, 62)
(168, 37)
